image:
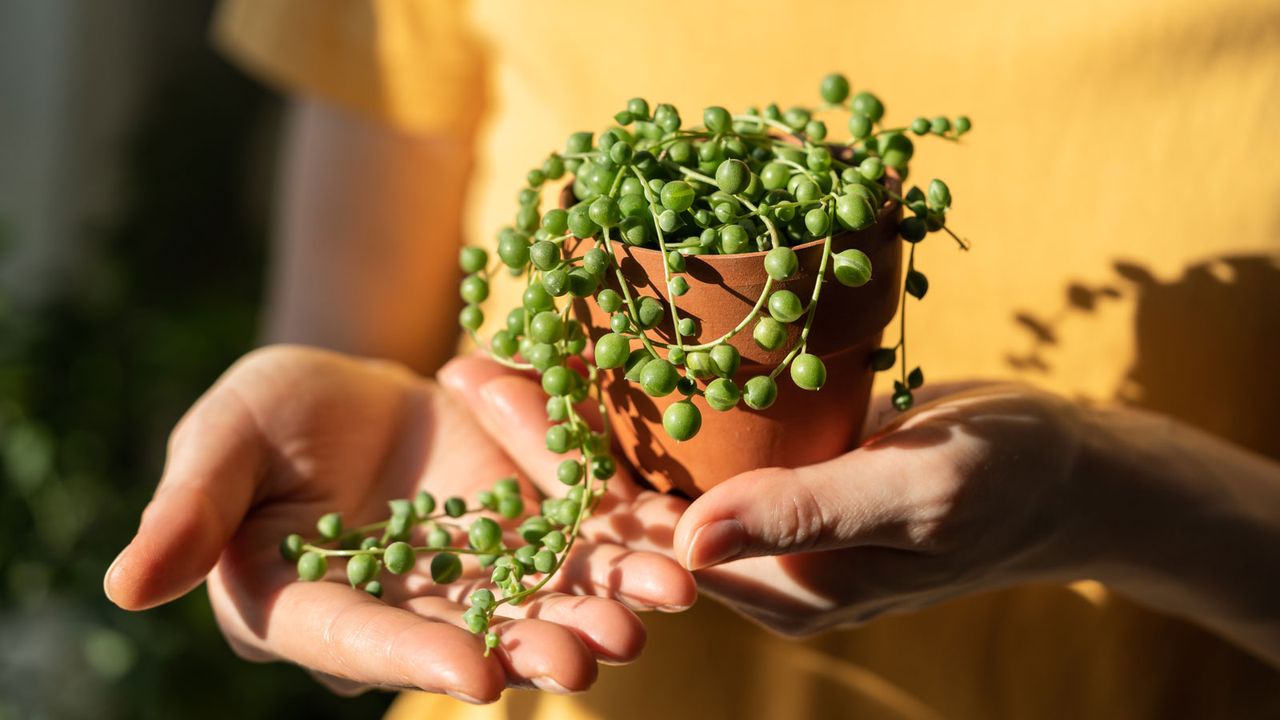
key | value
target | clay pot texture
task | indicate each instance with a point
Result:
(802, 427)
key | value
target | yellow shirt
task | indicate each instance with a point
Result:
(1119, 188)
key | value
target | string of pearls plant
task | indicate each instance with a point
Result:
(756, 181)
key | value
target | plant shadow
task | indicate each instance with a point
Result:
(649, 451)
(1206, 344)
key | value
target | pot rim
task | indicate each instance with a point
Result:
(887, 209)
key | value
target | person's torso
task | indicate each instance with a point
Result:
(1118, 189)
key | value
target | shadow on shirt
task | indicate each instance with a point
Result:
(1207, 344)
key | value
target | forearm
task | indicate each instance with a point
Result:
(368, 223)
(1196, 525)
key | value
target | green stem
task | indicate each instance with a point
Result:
(798, 166)
(328, 552)
(964, 244)
(626, 295)
(766, 122)
(902, 320)
(812, 311)
(475, 337)
(666, 270)
(583, 512)
(774, 237)
(755, 310)
(437, 518)
(692, 174)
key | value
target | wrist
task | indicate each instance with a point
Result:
(1188, 524)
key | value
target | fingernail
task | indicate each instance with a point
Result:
(714, 543)
(546, 683)
(106, 578)
(464, 698)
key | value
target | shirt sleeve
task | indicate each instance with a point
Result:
(413, 64)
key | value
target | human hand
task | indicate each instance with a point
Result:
(975, 489)
(628, 523)
(288, 434)
(987, 486)
(981, 486)
(967, 492)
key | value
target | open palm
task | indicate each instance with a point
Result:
(289, 434)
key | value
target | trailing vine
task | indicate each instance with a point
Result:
(764, 180)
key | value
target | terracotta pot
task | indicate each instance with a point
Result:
(802, 427)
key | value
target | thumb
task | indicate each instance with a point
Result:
(856, 499)
(216, 456)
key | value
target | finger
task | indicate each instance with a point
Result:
(607, 627)
(647, 523)
(610, 630)
(340, 686)
(642, 580)
(334, 629)
(762, 587)
(215, 458)
(861, 498)
(463, 377)
(513, 410)
(464, 373)
(533, 652)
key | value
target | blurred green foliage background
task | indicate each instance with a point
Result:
(90, 383)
